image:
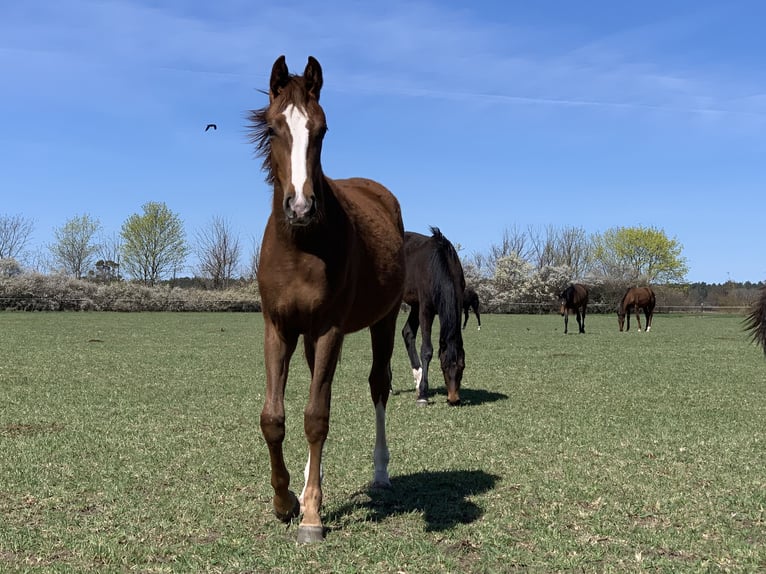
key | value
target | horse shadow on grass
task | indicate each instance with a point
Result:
(441, 497)
(468, 397)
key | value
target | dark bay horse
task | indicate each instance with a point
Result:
(433, 286)
(635, 299)
(574, 298)
(471, 301)
(756, 320)
(332, 262)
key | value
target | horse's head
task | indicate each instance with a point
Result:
(621, 317)
(289, 133)
(563, 299)
(452, 358)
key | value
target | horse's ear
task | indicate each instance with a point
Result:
(312, 75)
(279, 77)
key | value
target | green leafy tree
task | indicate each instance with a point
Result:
(154, 244)
(639, 255)
(74, 247)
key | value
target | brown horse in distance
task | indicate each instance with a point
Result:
(332, 262)
(471, 301)
(574, 298)
(756, 320)
(635, 299)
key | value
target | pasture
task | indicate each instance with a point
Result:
(130, 442)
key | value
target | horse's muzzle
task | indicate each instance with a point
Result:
(299, 212)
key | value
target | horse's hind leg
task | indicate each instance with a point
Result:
(566, 321)
(581, 319)
(382, 334)
(278, 349)
(409, 334)
(649, 314)
(638, 318)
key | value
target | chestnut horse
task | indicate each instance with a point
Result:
(433, 286)
(471, 301)
(574, 298)
(332, 262)
(756, 320)
(637, 298)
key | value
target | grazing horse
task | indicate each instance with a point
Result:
(574, 298)
(637, 298)
(331, 263)
(433, 286)
(471, 301)
(756, 320)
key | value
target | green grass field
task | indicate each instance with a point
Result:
(130, 443)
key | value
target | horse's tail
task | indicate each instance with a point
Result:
(756, 321)
(449, 284)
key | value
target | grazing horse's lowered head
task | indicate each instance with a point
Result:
(635, 299)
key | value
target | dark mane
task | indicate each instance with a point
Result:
(260, 136)
(443, 260)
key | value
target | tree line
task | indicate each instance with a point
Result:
(527, 266)
(151, 247)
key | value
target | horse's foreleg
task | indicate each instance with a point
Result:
(382, 335)
(426, 354)
(278, 349)
(478, 317)
(409, 334)
(316, 424)
(566, 321)
(466, 310)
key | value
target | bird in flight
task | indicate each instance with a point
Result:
(215, 127)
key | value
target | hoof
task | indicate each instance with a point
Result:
(287, 516)
(381, 485)
(310, 534)
(422, 402)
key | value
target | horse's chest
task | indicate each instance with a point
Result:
(298, 289)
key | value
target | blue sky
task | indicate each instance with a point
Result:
(479, 118)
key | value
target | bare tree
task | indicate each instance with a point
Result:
(544, 247)
(574, 250)
(514, 242)
(218, 252)
(108, 252)
(15, 231)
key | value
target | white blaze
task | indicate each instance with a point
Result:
(297, 123)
